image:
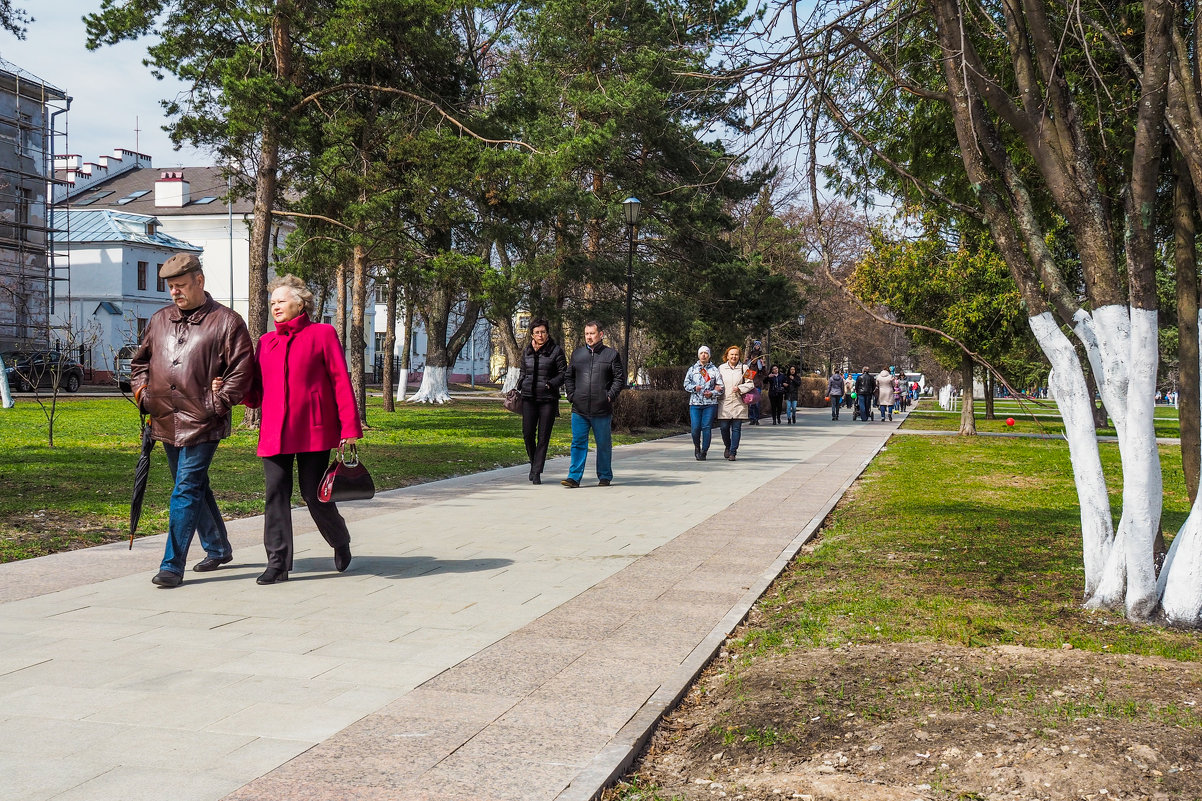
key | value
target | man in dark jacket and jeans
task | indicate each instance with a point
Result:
(865, 389)
(595, 377)
(184, 347)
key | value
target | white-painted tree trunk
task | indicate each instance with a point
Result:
(6, 395)
(511, 379)
(433, 388)
(1180, 580)
(1123, 350)
(1121, 344)
(1111, 590)
(1143, 487)
(1066, 384)
(402, 386)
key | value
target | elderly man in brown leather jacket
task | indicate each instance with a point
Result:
(184, 347)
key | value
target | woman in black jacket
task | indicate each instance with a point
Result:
(542, 374)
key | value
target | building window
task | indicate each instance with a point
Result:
(142, 267)
(160, 283)
(142, 321)
(24, 202)
(27, 133)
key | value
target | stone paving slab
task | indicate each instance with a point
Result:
(492, 639)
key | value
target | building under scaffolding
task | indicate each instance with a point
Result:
(32, 122)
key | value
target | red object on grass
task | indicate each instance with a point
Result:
(1009, 421)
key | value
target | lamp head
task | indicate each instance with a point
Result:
(633, 209)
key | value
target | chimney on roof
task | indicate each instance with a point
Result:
(171, 189)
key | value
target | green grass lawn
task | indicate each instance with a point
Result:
(984, 549)
(77, 493)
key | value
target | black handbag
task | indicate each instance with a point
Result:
(346, 479)
(513, 401)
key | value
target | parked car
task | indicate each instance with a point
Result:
(28, 369)
(121, 366)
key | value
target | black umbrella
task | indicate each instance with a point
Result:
(141, 474)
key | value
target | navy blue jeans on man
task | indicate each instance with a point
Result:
(193, 507)
(602, 436)
(702, 419)
(865, 404)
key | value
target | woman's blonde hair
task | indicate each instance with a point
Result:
(729, 348)
(299, 289)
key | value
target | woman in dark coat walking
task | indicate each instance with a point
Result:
(775, 383)
(792, 385)
(543, 369)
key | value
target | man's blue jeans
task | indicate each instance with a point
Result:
(864, 402)
(836, 401)
(731, 431)
(601, 428)
(193, 507)
(702, 418)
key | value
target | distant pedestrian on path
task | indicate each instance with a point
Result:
(543, 370)
(757, 370)
(865, 389)
(704, 385)
(775, 384)
(733, 409)
(849, 389)
(595, 376)
(304, 390)
(792, 386)
(834, 391)
(884, 393)
(184, 347)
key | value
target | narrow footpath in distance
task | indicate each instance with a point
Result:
(492, 639)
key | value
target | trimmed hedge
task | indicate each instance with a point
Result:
(666, 377)
(636, 409)
(813, 392)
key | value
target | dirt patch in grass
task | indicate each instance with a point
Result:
(910, 721)
(43, 531)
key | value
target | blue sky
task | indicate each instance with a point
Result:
(112, 93)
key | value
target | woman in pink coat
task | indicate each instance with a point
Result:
(308, 408)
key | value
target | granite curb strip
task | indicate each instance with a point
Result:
(617, 757)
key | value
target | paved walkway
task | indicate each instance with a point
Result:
(491, 640)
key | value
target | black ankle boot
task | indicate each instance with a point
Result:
(272, 576)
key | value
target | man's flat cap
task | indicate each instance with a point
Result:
(179, 264)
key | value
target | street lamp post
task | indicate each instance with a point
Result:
(633, 209)
(801, 343)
